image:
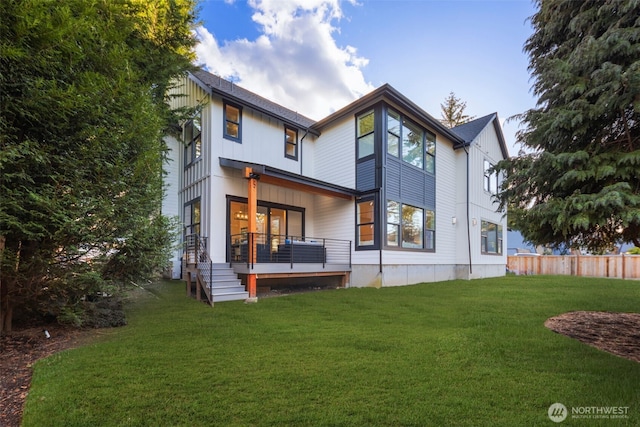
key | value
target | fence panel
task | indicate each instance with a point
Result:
(616, 266)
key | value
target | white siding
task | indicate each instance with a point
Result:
(482, 206)
(262, 139)
(335, 154)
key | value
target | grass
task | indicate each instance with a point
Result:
(464, 353)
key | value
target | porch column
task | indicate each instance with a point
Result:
(252, 207)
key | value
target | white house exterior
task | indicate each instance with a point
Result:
(378, 193)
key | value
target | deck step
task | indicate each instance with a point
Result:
(225, 285)
(230, 296)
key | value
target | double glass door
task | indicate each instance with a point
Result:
(274, 224)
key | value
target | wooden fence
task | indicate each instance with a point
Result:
(615, 266)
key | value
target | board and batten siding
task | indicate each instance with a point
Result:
(335, 154)
(262, 139)
(482, 206)
(194, 179)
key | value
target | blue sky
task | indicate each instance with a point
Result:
(316, 56)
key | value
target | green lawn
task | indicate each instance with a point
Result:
(464, 353)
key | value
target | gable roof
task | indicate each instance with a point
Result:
(470, 131)
(230, 91)
(391, 95)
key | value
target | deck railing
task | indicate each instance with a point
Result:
(285, 249)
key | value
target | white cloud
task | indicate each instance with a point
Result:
(295, 61)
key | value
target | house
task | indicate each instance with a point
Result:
(379, 193)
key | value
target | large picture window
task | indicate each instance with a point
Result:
(410, 226)
(193, 139)
(491, 238)
(232, 122)
(409, 142)
(365, 134)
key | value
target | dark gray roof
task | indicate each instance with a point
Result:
(237, 94)
(470, 130)
(388, 93)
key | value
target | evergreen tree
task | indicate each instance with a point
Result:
(581, 183)
(81, 151)
(453, 112)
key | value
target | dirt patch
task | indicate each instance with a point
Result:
(616, 333)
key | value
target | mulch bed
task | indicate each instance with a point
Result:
(18, 352)
(616, 333)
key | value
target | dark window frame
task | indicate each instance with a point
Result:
(428, 141)
(401, 224)
(194, 227)
(484, 238)
(372, 134)
(490, 178)
(288, 144)
(376, 240)
(193, 143)
(226, 120)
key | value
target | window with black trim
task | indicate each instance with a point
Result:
(490, 180)
(365, 219)
(365, 134)
(409, 142)
(491, 238)
(290, 143)
(193, 139)
(192, 217)
(410, 226)
(232, 122)
(430, 230)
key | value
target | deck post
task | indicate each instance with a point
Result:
(252, 207)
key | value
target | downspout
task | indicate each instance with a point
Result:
(306, 132)
(464, 146)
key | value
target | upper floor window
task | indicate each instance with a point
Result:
(290, 143)
(490, 180)
(193, 139)
(232, 122)
(491, 238)
(430, 153)
(410, 142)
(364, 134)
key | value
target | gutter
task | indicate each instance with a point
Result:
(306, 132)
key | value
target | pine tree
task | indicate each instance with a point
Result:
(581, 183)
(453, 112)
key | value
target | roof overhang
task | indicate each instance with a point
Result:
(228, 91)
(387, 93)
(281, 178)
